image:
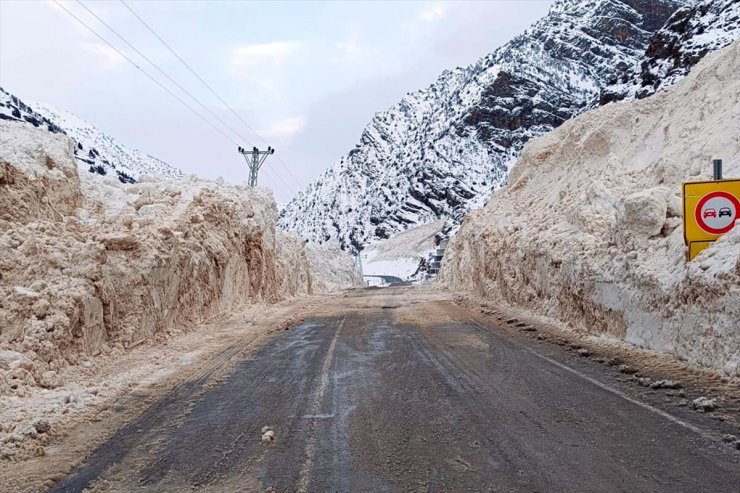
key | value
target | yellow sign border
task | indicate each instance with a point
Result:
(695, 248)
(726, 185)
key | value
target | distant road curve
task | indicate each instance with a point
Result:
(388, 279)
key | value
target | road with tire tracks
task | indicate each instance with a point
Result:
(388, 392)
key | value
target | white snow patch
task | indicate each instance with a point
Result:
(402, 254)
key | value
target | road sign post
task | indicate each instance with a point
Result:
(710, 209)
(717, 168)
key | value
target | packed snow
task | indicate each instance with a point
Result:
(333, 269)
(93, 266)
(589, 228)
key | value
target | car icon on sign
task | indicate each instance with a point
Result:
(725, 211)
(710, 213)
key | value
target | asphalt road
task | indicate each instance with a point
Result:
(367, 400)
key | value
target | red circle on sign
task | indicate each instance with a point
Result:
(700, 220)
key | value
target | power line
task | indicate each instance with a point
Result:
(287, 168)
(145, 72)
(151, 30)
(291, 189)
(170, 92)
(288, 187)
(160, 70)
(270, 172)
(295, 180)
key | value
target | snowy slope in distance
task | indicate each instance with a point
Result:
(95, 150)
(444, 149)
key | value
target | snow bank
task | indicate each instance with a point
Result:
(42, 181)
(589, 228)
(89, 265)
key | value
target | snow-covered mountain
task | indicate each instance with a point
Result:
(443, 149)
(95, 151)
(690, 33)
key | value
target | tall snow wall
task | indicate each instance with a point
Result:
(589, 230)
(89, 265)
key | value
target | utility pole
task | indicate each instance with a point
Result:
(255, 158)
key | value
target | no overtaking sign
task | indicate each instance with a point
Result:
(710, 210)
(716, 212)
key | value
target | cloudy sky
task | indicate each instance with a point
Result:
(307, 76)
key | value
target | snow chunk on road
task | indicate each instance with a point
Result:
(268, 434)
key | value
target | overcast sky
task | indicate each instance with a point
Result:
(307, 76)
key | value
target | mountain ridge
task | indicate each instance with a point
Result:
(95, 151)
(442, 150)
(688, 36)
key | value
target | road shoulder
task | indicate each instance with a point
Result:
(115, 389)
(659, 380)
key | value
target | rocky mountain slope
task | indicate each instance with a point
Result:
(691, 33)
(94, 150)
(605, 252)
(443, 149)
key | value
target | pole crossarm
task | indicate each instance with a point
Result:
(255, 159)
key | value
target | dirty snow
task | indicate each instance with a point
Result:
(588, 229)
(91, 266)
(268, 434)
(332, 268)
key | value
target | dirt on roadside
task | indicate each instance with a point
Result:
(46, 433)
(642, 367)
(69, 423)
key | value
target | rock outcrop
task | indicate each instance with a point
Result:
(689, 35)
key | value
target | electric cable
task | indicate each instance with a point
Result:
(145, 72)
(208, 86)
(170, 92)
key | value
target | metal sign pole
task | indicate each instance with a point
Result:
(717, 165)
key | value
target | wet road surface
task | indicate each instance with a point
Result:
(367, 400)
